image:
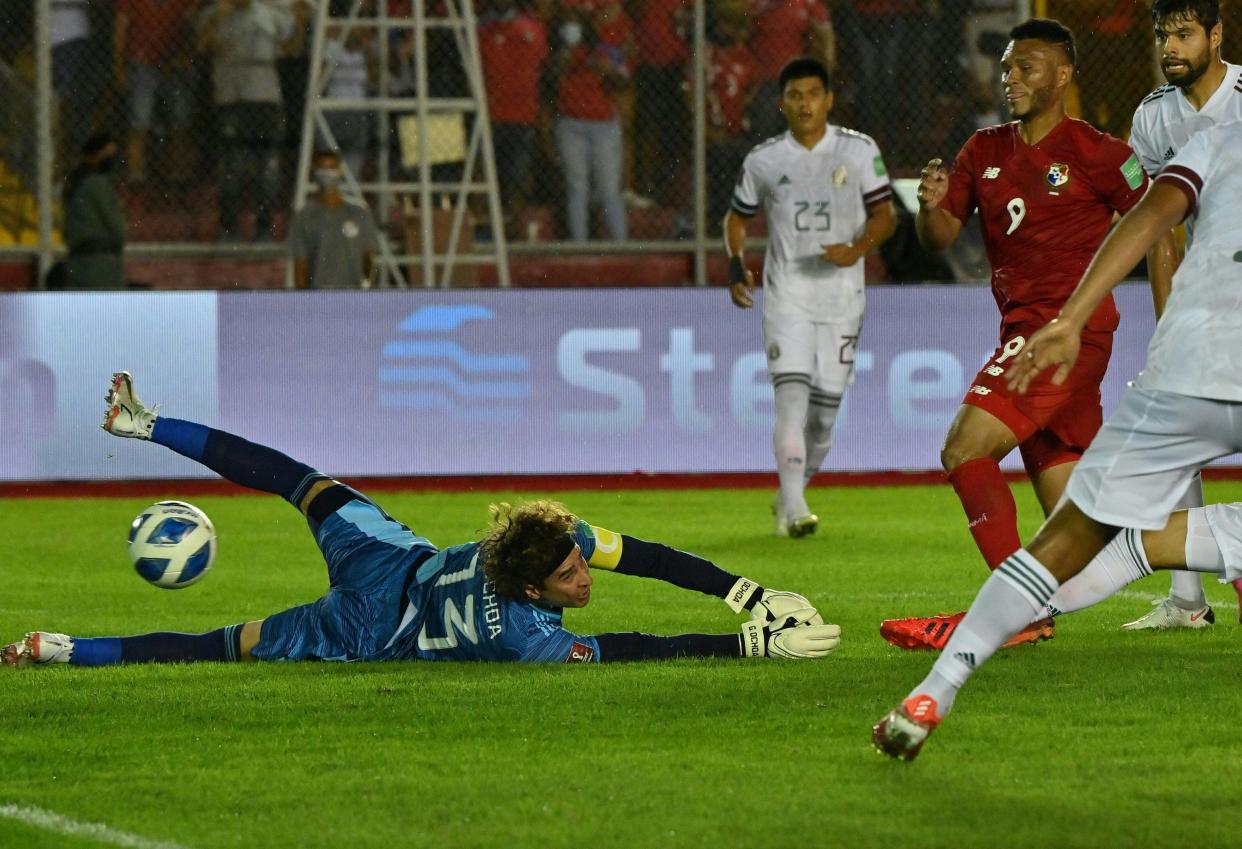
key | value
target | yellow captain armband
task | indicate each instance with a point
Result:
(607, 549)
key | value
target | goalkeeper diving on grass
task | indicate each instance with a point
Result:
(394, 596)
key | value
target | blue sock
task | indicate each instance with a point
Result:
(186, 438)
(221, 644)
(235, 459)
(168, 647)
(95, 651)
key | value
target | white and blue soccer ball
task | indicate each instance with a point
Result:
(172, 544)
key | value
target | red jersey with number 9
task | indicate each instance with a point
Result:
(1044, 209)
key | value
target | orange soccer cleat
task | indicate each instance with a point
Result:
(931, 633)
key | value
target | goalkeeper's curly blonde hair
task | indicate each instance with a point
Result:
(523, 543)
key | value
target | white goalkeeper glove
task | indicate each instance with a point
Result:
(768, 605)
(792, 636)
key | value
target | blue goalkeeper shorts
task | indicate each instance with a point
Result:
(370, 558)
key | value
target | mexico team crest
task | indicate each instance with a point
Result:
(1058, 175)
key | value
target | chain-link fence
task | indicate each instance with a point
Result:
(598, 145)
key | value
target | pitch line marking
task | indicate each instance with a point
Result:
(50, 821)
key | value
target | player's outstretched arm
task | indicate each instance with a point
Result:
(792, 638)
(1057, 344)
(935, 227)
(689, 571)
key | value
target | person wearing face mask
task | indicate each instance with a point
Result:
(94, 221)
(589, 70)
(331, 240)
(513, 49)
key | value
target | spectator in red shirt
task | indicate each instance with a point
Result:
(732, 76)
(588, 73)
(782, 30)
(662, 120)
(150, 49)
(614, 27)
(611, 23)
(514, 48)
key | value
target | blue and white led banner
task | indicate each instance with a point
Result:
(481, 382)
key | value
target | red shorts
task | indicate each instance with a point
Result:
(1053, 424)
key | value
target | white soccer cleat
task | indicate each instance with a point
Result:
(804, 526)
(38, 647)
(1166, 616)
(127, 416)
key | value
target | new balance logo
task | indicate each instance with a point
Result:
(991, 173)
(966, 657)
(783, 181)
(1169, 154)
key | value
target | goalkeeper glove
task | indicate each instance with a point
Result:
(768, 605)
(792, 636)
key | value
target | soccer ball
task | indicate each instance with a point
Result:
(172, 544)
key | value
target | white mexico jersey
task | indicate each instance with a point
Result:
(812, 198)
(1165, 121)
(1197, 347)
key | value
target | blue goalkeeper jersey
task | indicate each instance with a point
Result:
(454, 613)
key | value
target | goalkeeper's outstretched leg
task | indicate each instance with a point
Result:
(231, 457)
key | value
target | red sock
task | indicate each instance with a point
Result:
(990, 508)
(1237, 586)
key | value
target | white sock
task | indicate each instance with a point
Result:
(1015, 592)
(1186, 588)
(1122, 562)
(792, 396)
(821, 416)
(1203, 552)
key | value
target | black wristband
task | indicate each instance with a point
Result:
(754, 598)
(737, 270)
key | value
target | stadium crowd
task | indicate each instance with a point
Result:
(590, 99)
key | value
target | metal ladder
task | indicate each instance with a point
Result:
(459, 19)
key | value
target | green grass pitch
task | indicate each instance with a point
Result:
(1098, 738)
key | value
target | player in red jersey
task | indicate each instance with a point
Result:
(1047, 188)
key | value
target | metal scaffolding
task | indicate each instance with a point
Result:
(421, 193)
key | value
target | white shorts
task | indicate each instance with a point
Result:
(1146, 455)
(824, 350)
(1225, 522)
